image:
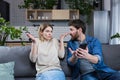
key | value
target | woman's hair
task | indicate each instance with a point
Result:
(42, 28)
(78, 24)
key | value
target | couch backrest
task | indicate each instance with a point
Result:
(64, 65)
(23, 66)
(111, 54)
(19, 54)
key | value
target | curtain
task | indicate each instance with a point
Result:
(115, 20)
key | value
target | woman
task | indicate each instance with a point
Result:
(45, 52)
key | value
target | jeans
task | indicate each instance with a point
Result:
(53, 74)
(89, 76)
(100, 75)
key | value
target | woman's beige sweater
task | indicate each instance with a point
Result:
(46, 55)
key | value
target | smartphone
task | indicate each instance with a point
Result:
(83, 46)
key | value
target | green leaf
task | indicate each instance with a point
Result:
(117, 35)
(7, 30)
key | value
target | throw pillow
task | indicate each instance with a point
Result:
(7, 71)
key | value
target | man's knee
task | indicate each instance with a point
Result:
(88, 77)
(115, 76)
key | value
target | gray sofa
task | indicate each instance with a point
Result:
(25, 70)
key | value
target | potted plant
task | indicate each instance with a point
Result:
(117, 35)
(38, 4)
(85, 7)
(7, 30)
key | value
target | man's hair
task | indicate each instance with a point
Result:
(78, 24)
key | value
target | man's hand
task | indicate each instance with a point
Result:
(74, 53)
(74, 57)
(82, 53)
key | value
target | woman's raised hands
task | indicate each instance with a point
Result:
(30, 36)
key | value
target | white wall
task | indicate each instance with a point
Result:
(107, 5)
(57, 31)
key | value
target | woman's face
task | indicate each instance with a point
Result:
(47, 33)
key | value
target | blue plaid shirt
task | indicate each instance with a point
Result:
(95, 48)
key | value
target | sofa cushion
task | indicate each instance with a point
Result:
(25, 78)
(65, 66)
(111, 54)
(20, 55)
(7, 71)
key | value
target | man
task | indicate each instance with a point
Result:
(87, 61)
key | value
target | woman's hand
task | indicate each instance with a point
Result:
(30, 36)
(62, 36)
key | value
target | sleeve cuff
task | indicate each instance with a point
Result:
(71, 64)
(99, 58)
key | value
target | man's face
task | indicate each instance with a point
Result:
(74, 33)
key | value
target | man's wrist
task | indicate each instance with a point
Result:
(74, 58)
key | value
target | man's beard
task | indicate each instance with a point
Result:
(75, 37)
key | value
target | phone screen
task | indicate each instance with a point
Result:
(83, 46)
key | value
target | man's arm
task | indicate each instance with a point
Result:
(71, 55)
